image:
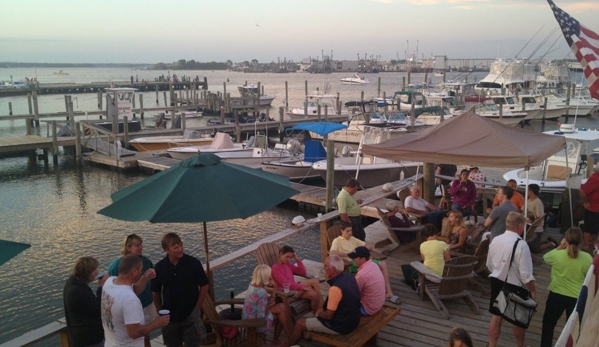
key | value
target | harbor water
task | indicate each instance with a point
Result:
(55, 208)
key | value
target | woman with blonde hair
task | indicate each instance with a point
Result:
(569, 267)
(260, 304)
(459, 337)
(456, 232)
(133, 244)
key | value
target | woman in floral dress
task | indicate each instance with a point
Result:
(260, 304)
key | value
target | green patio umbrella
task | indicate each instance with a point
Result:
(10, 249)
(200, 189)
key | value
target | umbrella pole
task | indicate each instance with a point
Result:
(208, 271)
(526, 203)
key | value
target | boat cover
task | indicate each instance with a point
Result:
(222, 141)
(470, 138)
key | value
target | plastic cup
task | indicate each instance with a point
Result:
(164, 313)
(286, 288)
(319, 215)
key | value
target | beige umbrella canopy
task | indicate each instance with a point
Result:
(470, 138)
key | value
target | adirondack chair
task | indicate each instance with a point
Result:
(452, 285)
(416, 229)
(268, 254)
(480, 269)
(446, 200)
(248, 334)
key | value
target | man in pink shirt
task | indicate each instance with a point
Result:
(370, 282)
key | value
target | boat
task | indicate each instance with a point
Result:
(251, 91)
(61, 73)
(252, 153)
(300, 168)
(431, 115)
(486, 107)
(552, 173)
(156, 143)
(370, 171)
(439, 74)
(358, 123)
(188, 115)
(312, 103)
(406, 99)
(357, 79)
(533, 105)
(578, 106)
(509, 76)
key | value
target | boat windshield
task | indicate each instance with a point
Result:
(572, 148)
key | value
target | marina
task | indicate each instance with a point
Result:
(68, 224)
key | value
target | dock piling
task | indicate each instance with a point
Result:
(10, 108)
(141, 106)
(36, 112)
(99, 97)
(78, 143)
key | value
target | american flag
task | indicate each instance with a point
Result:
(585, 45)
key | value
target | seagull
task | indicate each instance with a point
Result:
(257, 25)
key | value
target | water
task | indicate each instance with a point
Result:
(54, 209)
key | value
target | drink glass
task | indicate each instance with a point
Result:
(286, 288)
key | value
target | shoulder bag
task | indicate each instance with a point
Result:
(514, 302)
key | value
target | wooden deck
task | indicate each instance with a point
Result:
(420, 324)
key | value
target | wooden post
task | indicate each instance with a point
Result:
(544, 110)
(10, 108)
(281, 125)
(500, 111)
(99, 97)
(29, 103)
(54, 144)
(183, 124)
(237, 128)
(71, 115)
(403, 83)
(125, 131)
(141, 106)
(78, 143)
(28, 126)
(157, 103)
(174, 110)
(330, 175)
(36, 112)
(378, 89)
(326, 113)
(286, 95)
(67, 99)
(165, 103)
(306, 107)
(428, 171)
(324, 239)
(409, 77)
(306, 88)
(568, 102)
(426, 77)
(133, 105)
(223, 110)
(318, 111)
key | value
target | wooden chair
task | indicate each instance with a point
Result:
(248, 334)
(452, 285)
(446, 200)
(416, 229)
(268, 254)
(480, 269)
(531, 230)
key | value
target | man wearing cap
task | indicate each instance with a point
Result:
(349, 208)
(370, 282)
(341, 310)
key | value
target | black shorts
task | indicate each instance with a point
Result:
(496, 286)
(591, 222)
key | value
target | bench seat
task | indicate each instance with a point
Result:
(366, 332)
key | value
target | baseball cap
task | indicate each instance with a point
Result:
(359, 252)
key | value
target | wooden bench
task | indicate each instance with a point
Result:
(366, 334)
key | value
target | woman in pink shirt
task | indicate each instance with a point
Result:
(283, 271)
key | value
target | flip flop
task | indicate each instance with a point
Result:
(394, 300)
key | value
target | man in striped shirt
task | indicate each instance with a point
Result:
(370, 282)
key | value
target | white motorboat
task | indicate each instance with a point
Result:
(298, 169)
(252, 153)
(407, 99)
(357, 125)
(533, 105)
(370, 171)
(155, 143)
(251, 91)
(553, 172)
(578, 106)
(357, 79)
(486, 107)
(326, 102)
(509, 76)
(61, 73)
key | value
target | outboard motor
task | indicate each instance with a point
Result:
(346, 151)
(294, 146)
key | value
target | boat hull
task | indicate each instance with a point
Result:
(158, 143)
(370, 175)
(296, 170)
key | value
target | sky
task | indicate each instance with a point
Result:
(152, 31)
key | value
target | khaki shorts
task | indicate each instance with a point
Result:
(313, 324)
(150, 314)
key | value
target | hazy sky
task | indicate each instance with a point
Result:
(150, 31)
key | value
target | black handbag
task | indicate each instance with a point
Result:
(514, 302)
